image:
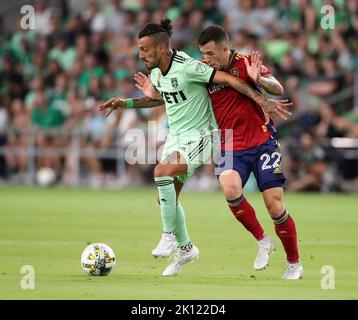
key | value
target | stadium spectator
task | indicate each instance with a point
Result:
(43, 18)
(44, 115)
(17, 141)
(306, 164)
(3, 121)
(76, 41)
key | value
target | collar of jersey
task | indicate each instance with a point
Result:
(232, 57)
(170, 64)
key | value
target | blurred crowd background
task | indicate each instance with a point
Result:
(83, 52)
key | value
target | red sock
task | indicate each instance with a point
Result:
(286, 231)
(245, 213)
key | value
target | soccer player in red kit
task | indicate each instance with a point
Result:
(247, 146)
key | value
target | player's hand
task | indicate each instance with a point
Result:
(112, 104)
(143, 83)
(276, 107)
(254, 68)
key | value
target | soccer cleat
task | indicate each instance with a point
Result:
(294, 271)
(266, 247)
(180, 259)
(166, 246)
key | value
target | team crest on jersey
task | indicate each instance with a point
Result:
(200, 67)
(234, 72)
(174, 82)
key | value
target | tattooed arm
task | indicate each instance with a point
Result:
(151, 99)
(239, 85)
(267, 105)
(271, 85)
(146, 102)
(119, 103)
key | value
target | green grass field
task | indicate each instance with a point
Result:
(49, 228)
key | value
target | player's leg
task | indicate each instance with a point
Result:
(231, 184)
(173, 218)
(285, 229)
(196, 151)
(181, 232)
(164, 174)
(186, 251)
(180, 237)
(271, 180)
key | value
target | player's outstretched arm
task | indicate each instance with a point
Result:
(119, 103)
(269, 106)
(112, 104)
(151, 99)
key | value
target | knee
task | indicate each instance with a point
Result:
(231, 192)
(168, 170)
(159, 171)
(274, 206)
(231, 185)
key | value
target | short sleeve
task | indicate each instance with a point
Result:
(196, 71)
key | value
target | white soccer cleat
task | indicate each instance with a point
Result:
(166, 246)
(294, 271)
(180, 259)
(266, 247)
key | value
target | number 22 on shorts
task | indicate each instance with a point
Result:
(276, 156)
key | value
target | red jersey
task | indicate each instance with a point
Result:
(236, 111)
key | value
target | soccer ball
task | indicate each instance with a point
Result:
(45, 177)
(98, 259)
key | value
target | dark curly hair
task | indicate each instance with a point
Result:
(160, 32)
